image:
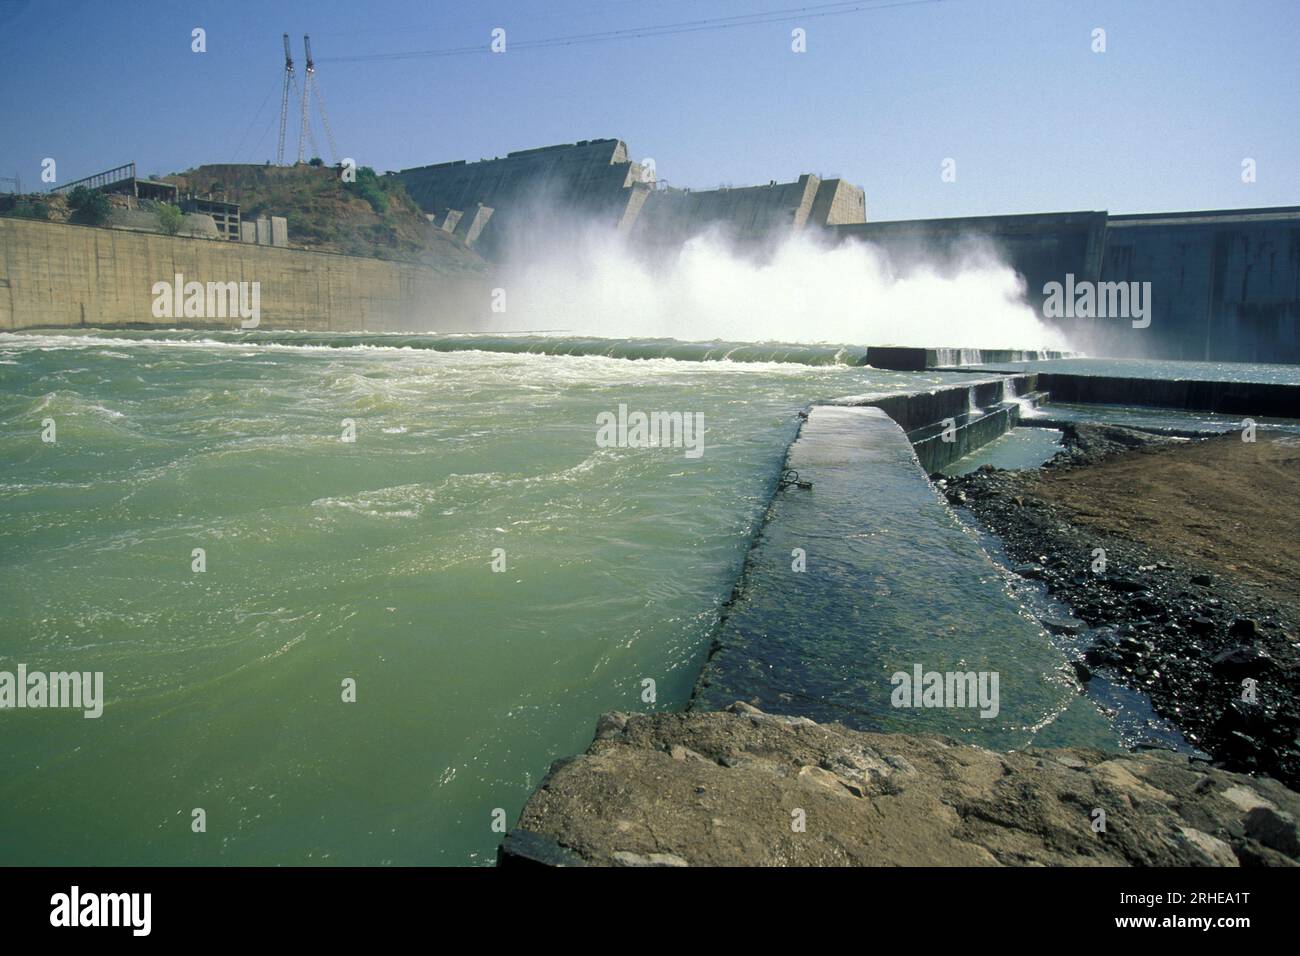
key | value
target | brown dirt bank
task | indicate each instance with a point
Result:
(1221, 502)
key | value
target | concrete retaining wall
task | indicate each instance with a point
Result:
(52, 274)
(970, 433)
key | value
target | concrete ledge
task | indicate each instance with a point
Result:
(913, 359)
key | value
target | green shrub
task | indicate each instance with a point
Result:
(10, 206)
(370, 188)
(88, 206)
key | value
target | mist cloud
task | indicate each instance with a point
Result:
(600, 282)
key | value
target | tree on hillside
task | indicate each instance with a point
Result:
(89, 206)
(169, 218)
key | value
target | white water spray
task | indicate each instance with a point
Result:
(601, 283)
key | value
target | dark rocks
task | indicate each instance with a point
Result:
(1243, 717)
(610, 724)
(1149, 607)
(1064, 625)
(1242, 628)
(1202, 580)
(523, 849)
(1087, 444)
(1275, 830)
(1128, 585)
(1242, 661)
(1099, 656)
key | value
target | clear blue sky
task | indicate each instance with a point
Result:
(1010, 89)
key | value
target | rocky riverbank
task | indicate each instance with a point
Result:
(740, 787)
(1180, 562)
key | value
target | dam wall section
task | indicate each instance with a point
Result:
(749, 214)
(1041, 247)
(54, 274)
(913, 359)
(533, 192)
(1224, 285)
(593, 179)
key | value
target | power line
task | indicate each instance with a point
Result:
(269, 93)
(252, 154)
(667, 29)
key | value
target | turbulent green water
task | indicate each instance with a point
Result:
(525, 344)
(371, 560)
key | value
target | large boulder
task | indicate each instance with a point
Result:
(744, 788)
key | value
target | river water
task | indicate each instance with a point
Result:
(390, 638)
(370, 560)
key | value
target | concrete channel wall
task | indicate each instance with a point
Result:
(951, 421)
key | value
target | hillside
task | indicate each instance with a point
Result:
(371, 217)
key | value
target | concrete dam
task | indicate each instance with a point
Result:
(1220, 285)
